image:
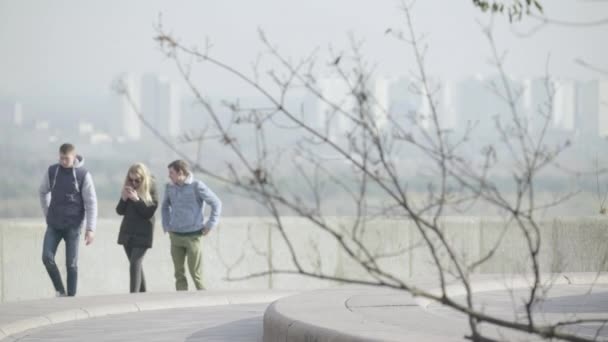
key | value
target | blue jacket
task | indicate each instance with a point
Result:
(183, 207)
(67, 195)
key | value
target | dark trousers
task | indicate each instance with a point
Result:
(136, 270)
(52, 238)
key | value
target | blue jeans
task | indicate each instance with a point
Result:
(52, 238)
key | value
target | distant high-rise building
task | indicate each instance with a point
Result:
(405, 101)
(338, 105)
(129, 106)
(169, 108)
(448, 116)
(443, 102)
(18, 114)
(381, 88)
(602, 111)
(150, 100)
(564, 105)
(534, 105)
(404, 97)
(335, 97)
(161, 104)
(424, 111)
(409, 103)
(592, 109)
(549, 103)
(476, 108)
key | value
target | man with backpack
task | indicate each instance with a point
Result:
(67, 196)
(182, 214)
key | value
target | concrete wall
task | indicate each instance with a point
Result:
(242, 246)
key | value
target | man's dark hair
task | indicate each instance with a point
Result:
(180, 165)
(67, 148)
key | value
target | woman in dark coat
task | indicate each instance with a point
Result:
(137, 205)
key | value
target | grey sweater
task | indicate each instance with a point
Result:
(183, 207)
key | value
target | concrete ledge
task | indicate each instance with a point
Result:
(332, 315)
(323, 315)
(67, 316)
(36, 314)
(24, 324)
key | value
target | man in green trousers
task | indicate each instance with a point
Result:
(183, 218)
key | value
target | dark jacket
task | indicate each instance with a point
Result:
(137, 227)
(67, 195)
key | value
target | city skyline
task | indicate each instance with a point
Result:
(577, 107)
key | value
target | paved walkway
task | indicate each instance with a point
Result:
(19, 317)
(230, 323)
(337, 314)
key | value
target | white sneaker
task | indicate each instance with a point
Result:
(59, 294)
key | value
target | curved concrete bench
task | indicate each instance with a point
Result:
(326, 315)
(333, 314)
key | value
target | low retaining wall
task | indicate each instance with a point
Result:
(246, 245)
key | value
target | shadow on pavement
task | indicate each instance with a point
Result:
(585, 303)
(245, 330)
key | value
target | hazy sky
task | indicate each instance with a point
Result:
(63, 49)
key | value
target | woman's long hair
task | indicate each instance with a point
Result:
(145, 186)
